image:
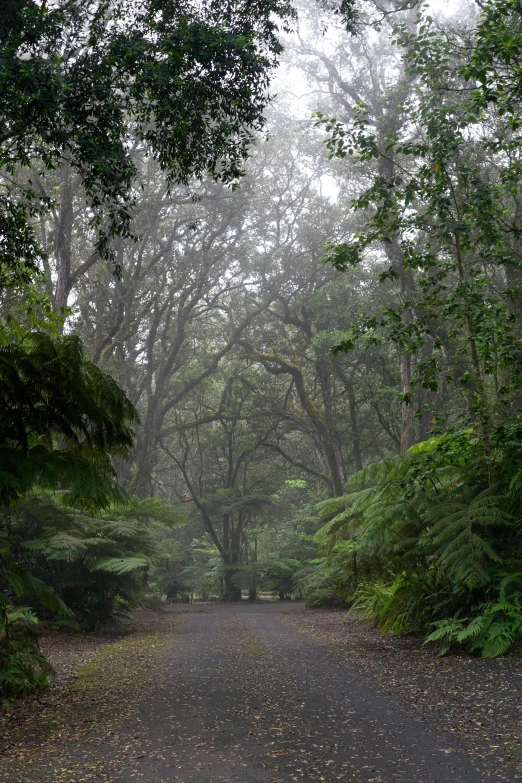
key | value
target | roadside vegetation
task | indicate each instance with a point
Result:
(233, 363)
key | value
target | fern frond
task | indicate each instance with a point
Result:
(120, 565)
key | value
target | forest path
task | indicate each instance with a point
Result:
(244, 697)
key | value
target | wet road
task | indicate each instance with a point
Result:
(244, 697)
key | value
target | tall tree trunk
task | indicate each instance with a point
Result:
(352, 410)
(406, 287)
(231, 547)
(146, 447)
(356, 438)
(252, 595)
(335, 464)
(332, 442)
(63, 235)
(406, 406)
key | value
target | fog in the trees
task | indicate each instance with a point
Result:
(261, 292)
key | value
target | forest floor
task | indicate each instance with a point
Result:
(99, 679)
(476, 701)
(264, 693)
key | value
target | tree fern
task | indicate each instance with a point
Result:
(458, 530)
(61, 419)
(94, 561)
(120, 565)
(428, 535)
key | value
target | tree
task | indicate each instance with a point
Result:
(452, 212)
(365, 72)
(96, 563)
(61, 422)
(428, 541)
(224, 471)
(81, 83)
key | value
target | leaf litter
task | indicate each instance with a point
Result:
(474, 699)
(248, 695)
(55, 737)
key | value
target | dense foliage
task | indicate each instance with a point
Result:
(81, 82)
(431, 542)
(320, 367)
(427, 542)
(61, 419)
(83, 86)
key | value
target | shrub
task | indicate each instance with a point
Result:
(23, 668)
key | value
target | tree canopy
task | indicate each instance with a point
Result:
(310, 350)
(83, 83)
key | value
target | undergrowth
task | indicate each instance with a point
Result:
(429, 543)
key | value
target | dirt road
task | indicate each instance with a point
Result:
(244, 697)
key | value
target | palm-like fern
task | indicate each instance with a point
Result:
(491, 628)
(424, 538)
(95, 562)
(61, 419)
(459, 529)
(230, 501)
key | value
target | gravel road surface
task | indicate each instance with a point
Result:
(245, 697)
